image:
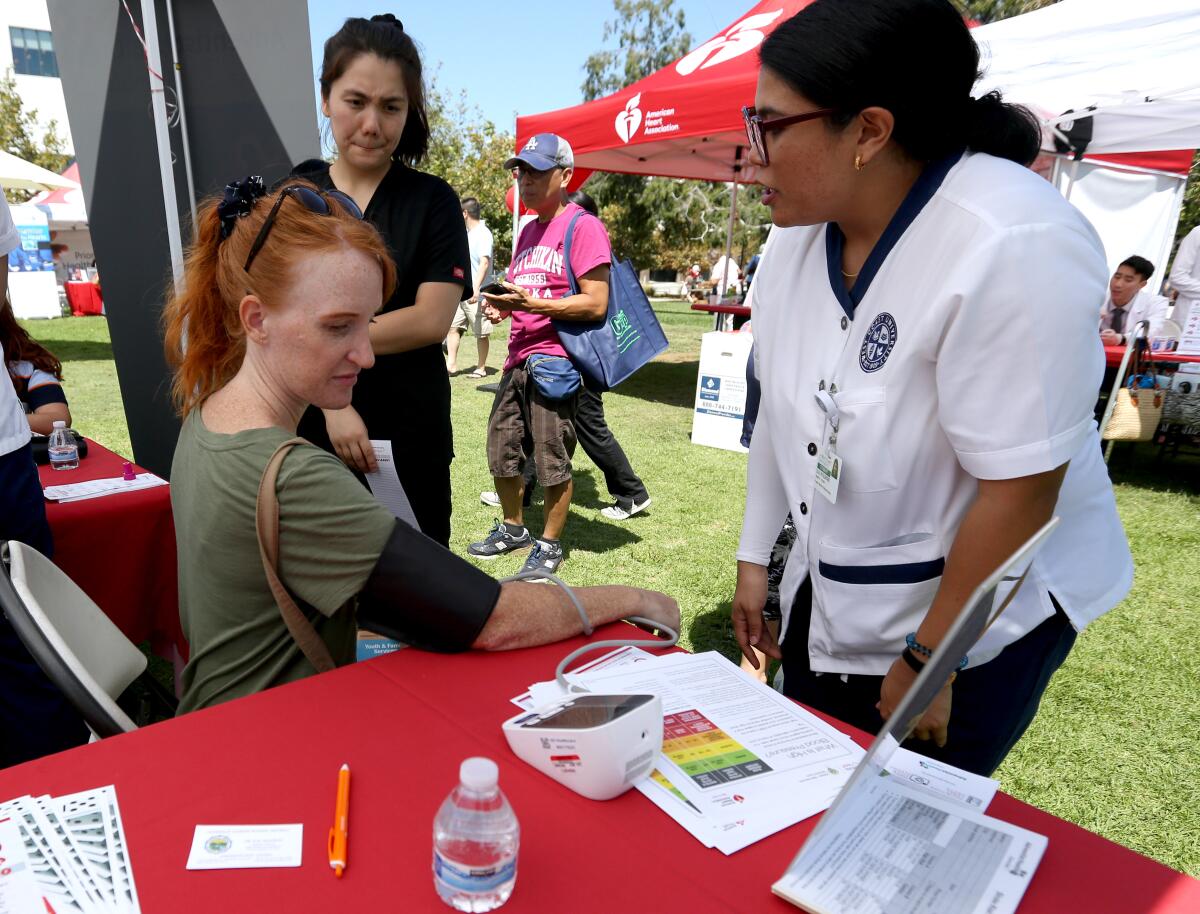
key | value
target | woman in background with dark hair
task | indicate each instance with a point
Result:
(36, 374)
(925, 319)
(373, 94)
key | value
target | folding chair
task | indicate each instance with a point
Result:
(71, 639)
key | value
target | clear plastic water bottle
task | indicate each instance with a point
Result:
(64, 453)
(475, 841)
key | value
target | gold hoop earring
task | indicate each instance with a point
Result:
(858, 162)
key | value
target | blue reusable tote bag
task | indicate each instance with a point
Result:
(608, 351)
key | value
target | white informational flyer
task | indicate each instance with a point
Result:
(19, 892)
(544, 693)
(235, 847)
(887, 847)
(385, 485)
(98, 488)
(739, 760)
(925, 775)
(74, 849)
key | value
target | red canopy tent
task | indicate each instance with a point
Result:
(684, 121)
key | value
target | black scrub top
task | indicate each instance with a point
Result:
(405, 397)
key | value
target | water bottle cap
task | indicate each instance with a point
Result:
(479, 773)
(60, 423)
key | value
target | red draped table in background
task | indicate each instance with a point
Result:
(403, 723)
(1113, 354)
(120, 550)
(84, 298)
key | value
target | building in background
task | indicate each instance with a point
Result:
(27, 54)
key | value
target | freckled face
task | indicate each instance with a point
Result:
(317, 340)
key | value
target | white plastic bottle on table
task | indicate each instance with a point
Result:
(475, 841)
(64, 453)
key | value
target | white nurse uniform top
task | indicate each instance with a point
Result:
(967, 349)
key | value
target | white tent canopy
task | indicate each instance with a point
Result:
(1131, 65)
(17, 174)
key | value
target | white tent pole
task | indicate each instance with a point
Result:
(724, 280)
(159, 105)
(183, 131)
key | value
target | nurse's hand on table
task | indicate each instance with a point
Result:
(749, 628)
(1110, 338)
(348, 435)
(934, 723)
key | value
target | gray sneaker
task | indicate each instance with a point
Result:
(623, 510)
(544, 557)
(498, 542)
(491, 499)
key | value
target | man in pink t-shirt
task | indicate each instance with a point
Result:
(523, 419)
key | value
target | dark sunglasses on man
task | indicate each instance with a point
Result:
(311, 200)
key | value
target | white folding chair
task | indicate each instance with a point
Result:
(73, 641)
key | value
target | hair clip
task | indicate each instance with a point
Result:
(388, 18)
(238, 201)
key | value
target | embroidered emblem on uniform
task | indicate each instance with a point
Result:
(878, 343)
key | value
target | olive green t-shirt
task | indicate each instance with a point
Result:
(331, 534)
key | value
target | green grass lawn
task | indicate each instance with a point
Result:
(1115, 745)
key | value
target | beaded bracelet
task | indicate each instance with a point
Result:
(918, 648)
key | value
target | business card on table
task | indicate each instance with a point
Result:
(239, 847)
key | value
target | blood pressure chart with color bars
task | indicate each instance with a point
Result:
(705, 752)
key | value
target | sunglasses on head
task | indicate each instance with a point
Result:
(311, 200)
(757, 128)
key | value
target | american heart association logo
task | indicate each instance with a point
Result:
(629, 120)
(739, 39)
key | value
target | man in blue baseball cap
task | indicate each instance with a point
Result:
(530, 406)
(544, 152)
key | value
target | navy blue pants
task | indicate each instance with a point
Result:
(35, 718)
(993, 704)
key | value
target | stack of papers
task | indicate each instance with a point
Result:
(740, 761)
(65, 854)
(97, 488)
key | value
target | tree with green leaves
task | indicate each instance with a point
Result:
(468, 152)
(984, 11)
(22, 136)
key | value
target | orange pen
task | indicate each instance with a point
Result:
(341, 823)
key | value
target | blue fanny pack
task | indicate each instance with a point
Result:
(555, 377)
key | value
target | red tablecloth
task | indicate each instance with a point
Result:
(739, 310)
(84, 298)
(120, 550)
(403, 723)
(1113, 354)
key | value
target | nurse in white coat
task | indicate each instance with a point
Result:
(925, 322)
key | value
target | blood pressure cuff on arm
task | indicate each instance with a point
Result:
(424, 595)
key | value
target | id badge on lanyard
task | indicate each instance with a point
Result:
(829, 465)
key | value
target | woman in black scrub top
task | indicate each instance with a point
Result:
(373, 95)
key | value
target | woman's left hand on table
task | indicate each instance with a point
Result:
(934, 723)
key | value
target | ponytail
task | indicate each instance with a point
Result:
(1000, 129)
(202, 334)
(915, 58)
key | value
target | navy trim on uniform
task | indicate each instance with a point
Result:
(44, 395)
(907, 573)
(918, 195)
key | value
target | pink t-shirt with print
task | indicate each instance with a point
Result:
(539, 268)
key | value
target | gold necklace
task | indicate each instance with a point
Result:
(850, 275)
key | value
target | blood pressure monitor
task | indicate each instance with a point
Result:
(598, 745)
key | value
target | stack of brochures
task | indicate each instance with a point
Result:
(66, 854)
(739, 761)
